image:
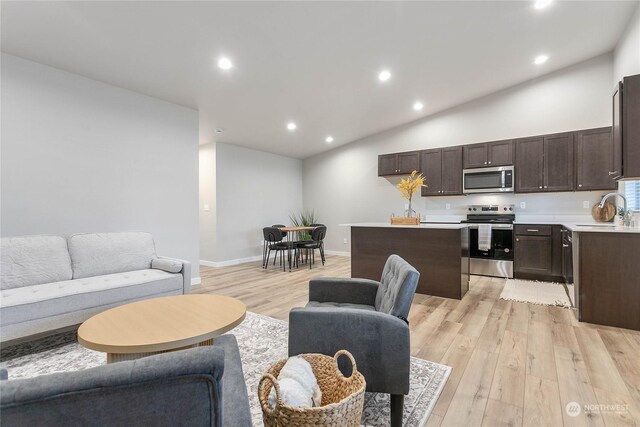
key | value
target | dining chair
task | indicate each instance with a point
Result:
(317, 242)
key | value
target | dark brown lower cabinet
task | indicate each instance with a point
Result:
(538, 253)
(608, 279)
(440, 255)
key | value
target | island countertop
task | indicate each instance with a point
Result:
(435, 226)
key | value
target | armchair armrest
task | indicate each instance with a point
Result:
(343, 290)
(379, 342)
(186, 272)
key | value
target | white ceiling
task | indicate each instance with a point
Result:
(315, 63)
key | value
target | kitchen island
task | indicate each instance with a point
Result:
(440, 252)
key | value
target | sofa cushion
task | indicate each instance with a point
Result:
(51, 299)
(33, 260)
(340, 305)
(95, 254)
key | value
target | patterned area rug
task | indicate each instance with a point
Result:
(535, 292)
(262, 341)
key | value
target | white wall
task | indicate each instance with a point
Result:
(626, 58)
(83, 156)
(208, 201)
(253, 189)
(342, 184)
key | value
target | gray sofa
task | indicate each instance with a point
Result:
(203, 386)
(49, 282)
(367, 318)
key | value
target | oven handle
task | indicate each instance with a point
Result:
(499, 226)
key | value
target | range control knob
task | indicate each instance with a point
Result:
(504, 209)
(507, 250)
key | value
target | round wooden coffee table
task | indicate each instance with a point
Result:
(161, 324)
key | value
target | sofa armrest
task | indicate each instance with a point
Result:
(139, 392)
(186, 273)
(379, 342)
(343, 290)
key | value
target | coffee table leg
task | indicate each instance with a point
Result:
(121, 357)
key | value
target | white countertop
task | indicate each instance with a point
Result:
(578, 224)
(441, 226)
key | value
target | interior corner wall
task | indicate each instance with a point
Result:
(626, 57)
(208, 201)
(83, 156)
(342, 184)
(254, 189)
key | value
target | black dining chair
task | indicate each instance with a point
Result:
(317, 242)
(273, 241)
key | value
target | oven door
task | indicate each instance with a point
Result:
(498, 260)
(488, 180)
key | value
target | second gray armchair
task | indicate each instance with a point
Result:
(367, 318)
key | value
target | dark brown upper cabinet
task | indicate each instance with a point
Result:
(442, 169)
(626, 129)
(594, 150)
(558, 162)
(529, 165)
(398, 163)
(544, 163)
(497, 153)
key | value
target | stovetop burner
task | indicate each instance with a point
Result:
(501, 214)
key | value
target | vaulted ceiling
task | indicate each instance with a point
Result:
(312, 63)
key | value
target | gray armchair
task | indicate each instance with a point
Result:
(367, 318)
(203, 386)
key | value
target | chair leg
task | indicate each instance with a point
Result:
(397, 407)
(322, 253)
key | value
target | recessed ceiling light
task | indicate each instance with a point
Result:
(329, 139)
(540, 59)
(219, 130)
(291, 126)
(384, 75)
(225, 63)
(541, 4)
(418, 106)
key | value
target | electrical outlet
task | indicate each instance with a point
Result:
(523, 205)
(344, 241)
(206, 208)
(585, 204)
(447, 206)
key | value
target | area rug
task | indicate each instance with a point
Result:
(534, 292)
(262, 341)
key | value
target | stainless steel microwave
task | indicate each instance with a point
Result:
(488, 180)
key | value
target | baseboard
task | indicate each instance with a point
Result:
(338, 253)
(230, 262)
(195, 281)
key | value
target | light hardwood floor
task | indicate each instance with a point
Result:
(514, 364)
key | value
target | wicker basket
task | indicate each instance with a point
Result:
(342, 398)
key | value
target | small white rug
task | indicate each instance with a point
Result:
(534, 292)
(262, 341)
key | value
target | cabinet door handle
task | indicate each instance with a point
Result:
(532, 230)
(579, 185)
(489, 162)
(613, 173)
(565, 246)
(485, 163)
(540, 186)
(517, 240)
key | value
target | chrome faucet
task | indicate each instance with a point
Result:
(626, 216)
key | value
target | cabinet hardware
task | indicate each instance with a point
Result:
(579, 185)
(546, 186)
(540, 186)
(517, 240)
(613, 173)
(489, 162)
(532, 230)
(485, 163)
(565, 245)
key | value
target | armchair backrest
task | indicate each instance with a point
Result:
(397, 287)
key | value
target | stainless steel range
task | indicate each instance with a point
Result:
(491, 239)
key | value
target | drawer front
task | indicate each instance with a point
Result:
(533, 230)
